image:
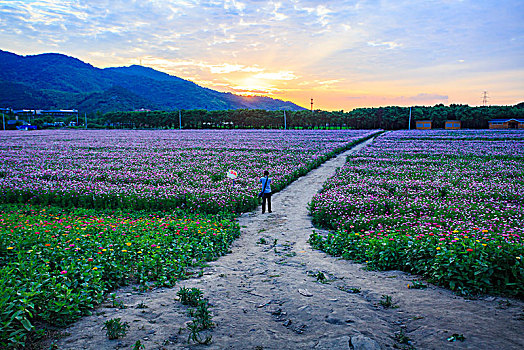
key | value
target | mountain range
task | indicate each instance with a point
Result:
(56, 81)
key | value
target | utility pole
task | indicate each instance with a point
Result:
(311, 105)
(285, 122)
(179, 119)
(409, 126)
(485, 99)
(76, 118)
(85, 116)
(3, 119)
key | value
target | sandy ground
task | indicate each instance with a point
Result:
(264, 296)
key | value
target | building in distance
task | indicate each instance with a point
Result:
(423, 124)
(452, 125)
(510, 123)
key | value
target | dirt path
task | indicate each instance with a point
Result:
(265, 297)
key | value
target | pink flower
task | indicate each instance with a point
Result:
(63, 272)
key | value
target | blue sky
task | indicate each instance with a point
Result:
(344, 54)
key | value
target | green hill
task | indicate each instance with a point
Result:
(114, 99)
(59, 81)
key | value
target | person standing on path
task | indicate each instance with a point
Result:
(266, 192)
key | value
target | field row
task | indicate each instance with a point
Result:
(449, 206)
(56, 265)
(159, 170)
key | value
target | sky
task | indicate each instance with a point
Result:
(341, 54)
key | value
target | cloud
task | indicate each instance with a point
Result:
(229, 68)
(248, 91)
(279, 16)
(387, 44)
(329, 82)
(373, 46)
(223, 68)
(282, 75)
(233, 4)
(421, 98)
(424, 97)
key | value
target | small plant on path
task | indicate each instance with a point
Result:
(138, 346)
(417, 285)
(321, 277)
(349, 289)
(142, 305)
(401, 337)
(201, 315)
(262, 240)
(455, 336)
(116, 303)
(387, 302)
(189, 296)
(115, 328)
(201, 321)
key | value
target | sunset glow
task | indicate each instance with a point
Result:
(344, 54)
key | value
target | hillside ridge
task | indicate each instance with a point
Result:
(53, 80)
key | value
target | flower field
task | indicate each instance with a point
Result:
(83, 212)
(158, 170)
(56, 265)
(448, 205)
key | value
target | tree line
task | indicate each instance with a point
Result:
(388, 118)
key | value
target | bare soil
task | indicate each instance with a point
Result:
(266, 296)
